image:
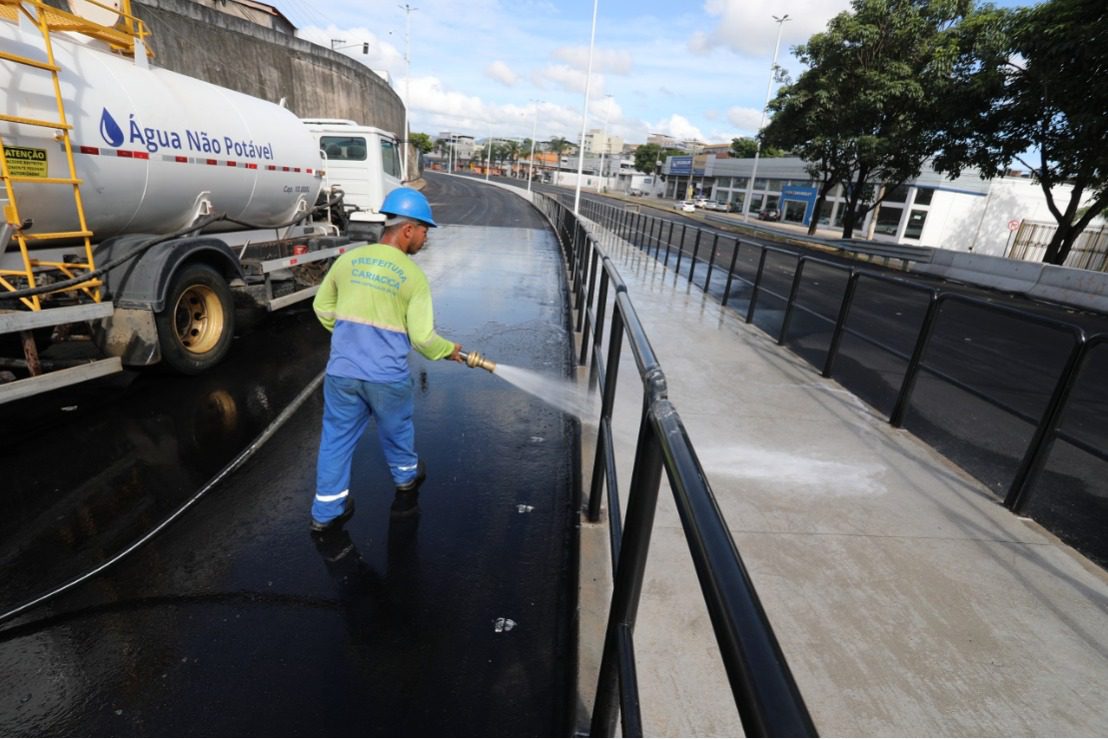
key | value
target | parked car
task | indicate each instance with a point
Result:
(769, 214)
(715, 205)
(686, 206)
(701, 202)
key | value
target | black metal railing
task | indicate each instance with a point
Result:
(645, 231)
(766, 696)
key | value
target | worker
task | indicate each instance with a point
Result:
(377, 303)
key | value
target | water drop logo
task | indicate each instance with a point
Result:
(109, 129)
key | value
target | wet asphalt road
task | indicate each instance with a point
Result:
(457, 620)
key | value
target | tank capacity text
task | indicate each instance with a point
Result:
(155, 139)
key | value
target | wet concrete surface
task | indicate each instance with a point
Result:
(456, 619)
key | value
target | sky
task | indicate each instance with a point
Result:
(686, 68)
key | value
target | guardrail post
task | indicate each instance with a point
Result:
(695, 250)
(583, 316)
(757, 284)
(840, 322)
(912, 371)
(598, 328)
(1038, 450)
(642, 503)
(711, 261)
(797, 274)
(680, 242)
(730, 272)
(611, 375)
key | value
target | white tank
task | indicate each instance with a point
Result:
(149, 145)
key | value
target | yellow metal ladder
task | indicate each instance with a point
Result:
(51, 20)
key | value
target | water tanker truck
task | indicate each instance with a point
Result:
(142, 206)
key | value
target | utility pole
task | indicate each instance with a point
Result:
(607, 114)
(488, 155)
(585, 114)
(758, 139)
(407, 80)
(531, 159)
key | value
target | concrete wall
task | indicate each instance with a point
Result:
(316, 82)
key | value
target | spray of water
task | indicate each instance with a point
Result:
(563, 394)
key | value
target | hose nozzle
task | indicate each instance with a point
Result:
(474, 359)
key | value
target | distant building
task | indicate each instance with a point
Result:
(966, 214)
(669, 142)
(597, 143)
(257, 13)
(464, 146)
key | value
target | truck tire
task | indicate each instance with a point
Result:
(197, 324)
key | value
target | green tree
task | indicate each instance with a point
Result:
(649, 156)
(798, 119)
(1032, 79)
(511, 152)
(559, 146)
(422, 142)
(876, 81)
(745, 148)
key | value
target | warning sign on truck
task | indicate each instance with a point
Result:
(25, 162)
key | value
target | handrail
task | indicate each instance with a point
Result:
(766, 695)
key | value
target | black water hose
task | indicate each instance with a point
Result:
(230, 467)
(146, 245)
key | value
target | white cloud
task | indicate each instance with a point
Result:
(677, 126)
(747, 120)
(502, 73)
(436, 108)
(567, 78)
(747, 26)
(613, 61)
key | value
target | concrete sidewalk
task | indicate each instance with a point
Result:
(906, 600)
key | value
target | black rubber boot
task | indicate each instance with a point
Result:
(337, 521)
(413, 486)
(406, 501)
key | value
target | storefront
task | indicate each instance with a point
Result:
(966, 213)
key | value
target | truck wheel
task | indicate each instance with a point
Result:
(197, 325)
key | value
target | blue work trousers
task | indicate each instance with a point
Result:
(348, 404)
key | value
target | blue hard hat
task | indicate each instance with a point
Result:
(404, 202)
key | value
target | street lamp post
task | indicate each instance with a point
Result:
(607, 113)
(758, 139)
(407, 80)
(363, 44)
(585, 113)
(531, 159)
(488, 155)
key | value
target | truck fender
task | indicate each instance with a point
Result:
(143, 282)
(138, 289)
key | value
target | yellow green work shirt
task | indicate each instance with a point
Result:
(377, 303)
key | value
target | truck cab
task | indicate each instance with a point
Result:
(363, 161)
